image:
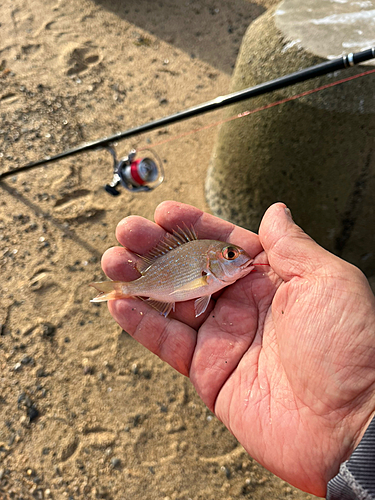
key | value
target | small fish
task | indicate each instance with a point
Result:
(181, 267)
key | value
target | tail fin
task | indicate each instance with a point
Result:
(109, 290)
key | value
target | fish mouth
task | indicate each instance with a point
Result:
(247, 264)
(247, 267)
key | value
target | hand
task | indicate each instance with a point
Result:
(284, 356)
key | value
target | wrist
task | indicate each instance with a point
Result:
(349, 433)
(365, 426)
(356, 478)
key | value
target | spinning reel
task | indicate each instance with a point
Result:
(135, 174)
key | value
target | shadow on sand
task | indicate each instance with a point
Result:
(207, 32)
(45, 215)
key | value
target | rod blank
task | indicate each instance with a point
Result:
(221, 101)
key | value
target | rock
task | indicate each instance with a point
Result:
(27, 360)
(21, 398)
(24, 421)
(135, 368)
(115, 462)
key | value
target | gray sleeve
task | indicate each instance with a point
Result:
(356, 479)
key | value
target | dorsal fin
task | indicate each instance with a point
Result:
(169, 242)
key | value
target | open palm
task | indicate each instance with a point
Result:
(284, 356)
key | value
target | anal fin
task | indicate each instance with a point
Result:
(201, 304)
(163, 307)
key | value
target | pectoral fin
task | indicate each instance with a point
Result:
(200, 305)
(193, 285)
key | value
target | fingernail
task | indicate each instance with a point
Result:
(288, 213)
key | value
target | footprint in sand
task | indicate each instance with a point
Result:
(77, 207)
(80, 59)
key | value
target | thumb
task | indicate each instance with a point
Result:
(290, 251)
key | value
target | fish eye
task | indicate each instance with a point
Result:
(230, 253)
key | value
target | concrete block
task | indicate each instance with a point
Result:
(316, 153)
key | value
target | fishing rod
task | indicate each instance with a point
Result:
(144, 174)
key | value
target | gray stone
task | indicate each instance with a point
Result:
(315, 153)
(115, 462)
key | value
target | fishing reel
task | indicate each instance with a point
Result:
(135, 174)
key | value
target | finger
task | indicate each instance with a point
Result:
(171, 340)
(290, 251)
(171, 214)
(137, 234)
(119, 264)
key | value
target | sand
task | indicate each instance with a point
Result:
(86, 412)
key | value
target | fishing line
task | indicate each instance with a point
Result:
(256, 110)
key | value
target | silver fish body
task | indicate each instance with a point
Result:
(181, 268)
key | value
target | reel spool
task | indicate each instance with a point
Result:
(135, 174)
